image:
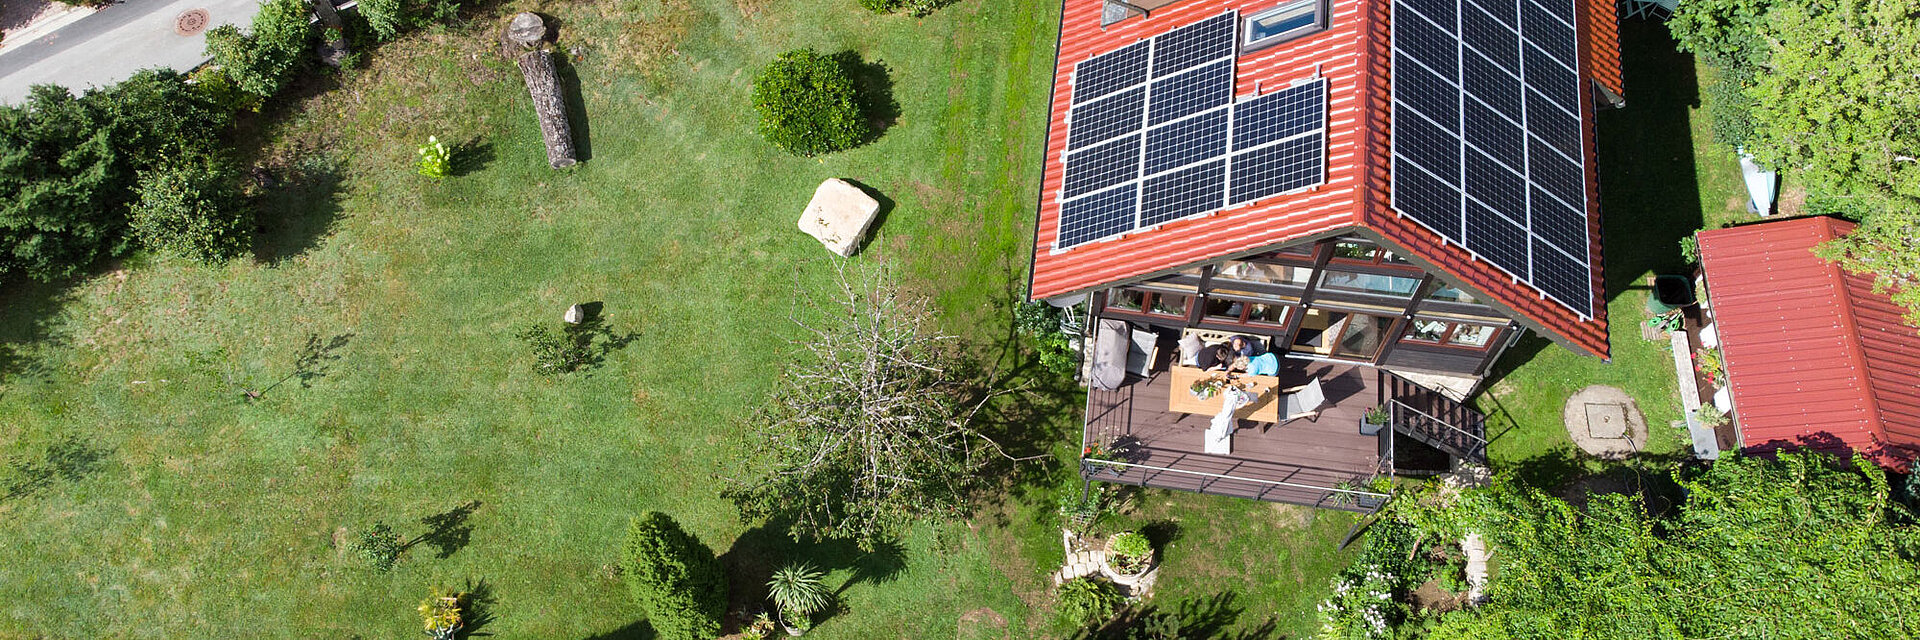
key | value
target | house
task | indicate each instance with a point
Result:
(1386, 193)
(1813, 357)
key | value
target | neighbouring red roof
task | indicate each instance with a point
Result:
(1354, 56)
(1815, 358)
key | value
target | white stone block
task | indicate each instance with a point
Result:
(839, 216)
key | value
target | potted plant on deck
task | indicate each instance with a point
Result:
(1129, 555)
(1375, 418)
(797, 594)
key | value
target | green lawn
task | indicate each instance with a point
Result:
(170, 508)
(1661, 177)
(204, 517)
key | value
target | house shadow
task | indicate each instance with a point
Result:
(1201, 617)
(754, 556)
(1651, 198)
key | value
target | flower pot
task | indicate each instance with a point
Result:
(1119, 577)
(787, 624)
(1368, 428)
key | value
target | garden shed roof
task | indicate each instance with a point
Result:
(1815, 359)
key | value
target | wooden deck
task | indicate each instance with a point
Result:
(1298, 462)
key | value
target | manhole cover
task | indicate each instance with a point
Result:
(1606, 420)
(191, 22)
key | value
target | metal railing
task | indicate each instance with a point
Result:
(1370, 500)
(1427, 428)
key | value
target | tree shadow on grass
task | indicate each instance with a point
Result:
(479, 609)
(1205, 617)
(754, 556)
(873, 91)
(27, 318)
(298, 208)
(447, 532)
(632, 631)
(69, 459)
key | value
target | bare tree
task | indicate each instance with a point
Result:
(869, 432)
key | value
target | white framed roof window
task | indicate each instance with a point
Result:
(1290, 20)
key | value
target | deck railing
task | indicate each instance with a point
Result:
(1330, 497)
(1443, 423)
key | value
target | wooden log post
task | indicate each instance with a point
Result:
(543, 84)
(549, 104)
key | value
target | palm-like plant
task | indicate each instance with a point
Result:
(798, 591)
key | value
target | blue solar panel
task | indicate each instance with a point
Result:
(1561, 224)
(1497, 87)
(1282, 114)
(1428, 145)
(1103, 166)
(1496, 135)
(1552, 171)
(1552, 33)
(1187, 141)
(1488, 147)
(1503, 242)
(1110, 72)
(1179, 96)
(1486, 36)
(1433, 97)
(1119, 176)
(1194, 44)
(1495, 186)
(1291, 165)
(1431, 201)
(1563, 277)
(1110, 117)
(1193, 190)
(1097, 216)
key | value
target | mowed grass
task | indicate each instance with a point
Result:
(1662, 176)
(205, 516)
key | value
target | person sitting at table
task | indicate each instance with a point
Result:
(1215, 357)
(1245, 346)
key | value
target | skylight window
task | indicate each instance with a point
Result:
(1282, 23)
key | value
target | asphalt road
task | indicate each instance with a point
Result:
(111, 44)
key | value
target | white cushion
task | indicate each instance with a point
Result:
(1190, 347)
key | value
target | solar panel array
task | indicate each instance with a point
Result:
(1487, 147)
(1153, 135)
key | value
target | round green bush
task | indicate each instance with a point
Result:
(192, 208)
(912, 7)
(808, 104)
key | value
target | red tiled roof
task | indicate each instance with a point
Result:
(1353, 54)
(1815, 358)
(1603, 45)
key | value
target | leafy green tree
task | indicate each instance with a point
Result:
(1827, 88)
(262, 61)
(1798, 547)
(808, 104)
(62, 187)
(385, 17)
(675, 577)
(1885, 246)
(192, 208)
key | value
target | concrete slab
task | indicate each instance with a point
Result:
(109, 45)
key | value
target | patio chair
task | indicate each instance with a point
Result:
(1303, 401)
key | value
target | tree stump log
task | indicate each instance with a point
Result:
(526, 30)
(333, 51)
(549, 104)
